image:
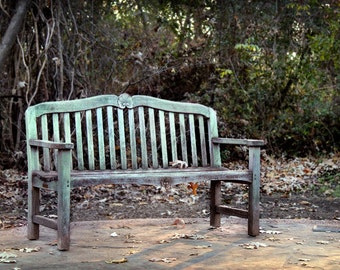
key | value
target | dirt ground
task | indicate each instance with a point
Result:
(122, 202)
(272, 206)
(102, 208)
(290, 189)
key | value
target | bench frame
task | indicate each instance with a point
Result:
(52, 146)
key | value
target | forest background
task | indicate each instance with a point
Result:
(270, 68)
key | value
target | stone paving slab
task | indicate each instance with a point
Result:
(159, 244)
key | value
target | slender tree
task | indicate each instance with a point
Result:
(13, 29)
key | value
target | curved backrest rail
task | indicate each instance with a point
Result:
(113, 100)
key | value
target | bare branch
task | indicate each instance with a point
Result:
(12, 30)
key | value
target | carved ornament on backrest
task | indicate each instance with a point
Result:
(125, 101)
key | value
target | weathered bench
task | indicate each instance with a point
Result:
(126, 139)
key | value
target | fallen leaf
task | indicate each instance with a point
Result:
(179, 164)
(305, 203)
(116, 204)
(179, 222)
(123, 260)
(253, 245)
(188, 236)
(322, 242)
(165, 260)
(29, 250)
(133, 241)
(131, 252)
(6, 257)
(270, 232)
(53, 243)
(304, 260)
(271, 238)
(202, 247)
(7, 261)
(193, 187)
(164, 241)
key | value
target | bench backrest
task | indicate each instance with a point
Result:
(125, 132)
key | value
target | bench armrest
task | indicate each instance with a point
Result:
(50, 144)
(247, 142)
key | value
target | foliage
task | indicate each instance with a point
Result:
(330, 182)
(285, 91)
(270, 68)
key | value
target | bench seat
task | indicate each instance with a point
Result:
(155, 177)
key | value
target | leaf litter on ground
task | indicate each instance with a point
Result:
(7, 257)
(278, 176)
(253, 245)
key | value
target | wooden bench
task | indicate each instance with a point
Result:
(126, 139)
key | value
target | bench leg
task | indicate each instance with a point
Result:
(64, 190)
(33, 209)
(254, 212)
(215, 199)
(254, 192)
(63, 221)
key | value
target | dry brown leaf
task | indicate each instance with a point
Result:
(179, 223)
(193, 187)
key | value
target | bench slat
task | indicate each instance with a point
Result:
(142, 134)
(148, 176)
(153, 139)
(56, 135)
(112, 141)
(122, 140)
(79, 141)
(101, 145)
(89, 136)
(193, 140)
(183, 138)
(46, 152)
(203, 141)
(215, 157)
(133, 143)
(173, 137)
(163, 139)
(67, 130)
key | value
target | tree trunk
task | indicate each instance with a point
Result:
(13, 30)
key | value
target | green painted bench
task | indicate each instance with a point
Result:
(126, 139)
